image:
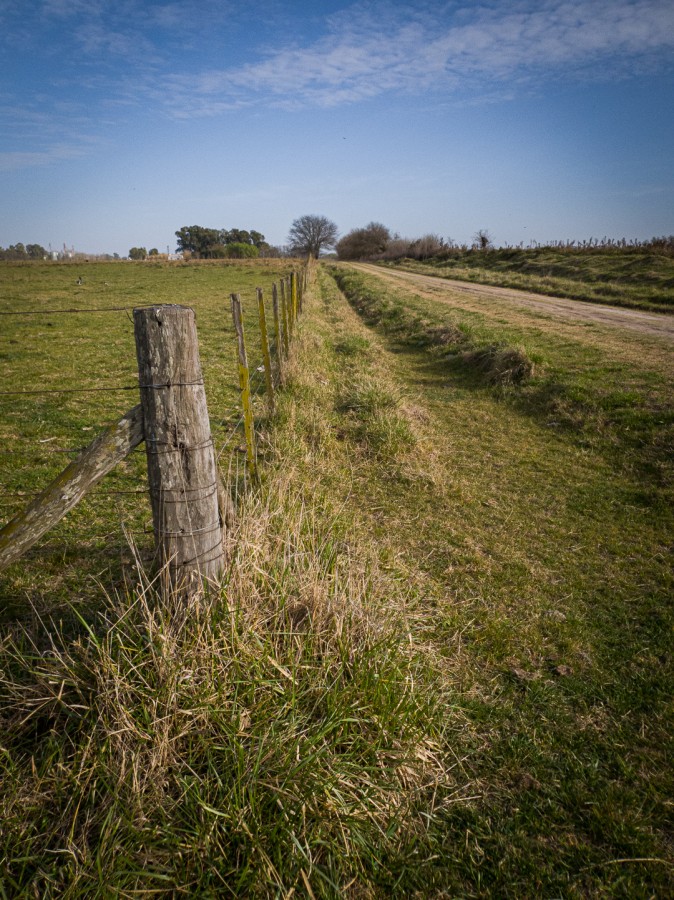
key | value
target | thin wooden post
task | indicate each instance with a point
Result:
(68, 488)
(293, 294)
(286, 318)
(266, 355)
(278, 334)
(291, 308)
(244, 384)
(181, 465)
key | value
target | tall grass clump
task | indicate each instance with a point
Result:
(375, 413)
(274, 735)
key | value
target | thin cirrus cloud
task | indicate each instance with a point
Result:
(13, 160)
(361, 56)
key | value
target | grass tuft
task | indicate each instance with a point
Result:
(500, 365)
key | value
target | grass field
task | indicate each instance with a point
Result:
(642, 279)
(440, 664)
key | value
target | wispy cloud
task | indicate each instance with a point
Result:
(381, 48)
(13, 160)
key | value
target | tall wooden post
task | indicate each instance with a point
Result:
(293, 294)
(278, 334)
(286, 318)
(181, 463)
(266, 355)
(244, 384)
(291, 308)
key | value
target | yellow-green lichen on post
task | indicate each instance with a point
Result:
(293, 294)
(278, 334)
(286, 317)
(266, 355)
(244, 385)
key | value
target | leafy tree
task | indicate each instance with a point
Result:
(137, 253)
(364, 243)
(309, 235)
(14, 251)
(153, 252)
(197, 240)
(240, 236)
(35, 251)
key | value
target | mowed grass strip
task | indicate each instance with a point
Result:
(94, 350)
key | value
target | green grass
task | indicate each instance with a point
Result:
(635, 278)
(440, 663)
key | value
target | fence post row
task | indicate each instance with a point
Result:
(181, 466)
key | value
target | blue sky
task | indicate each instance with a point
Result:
(122, 121)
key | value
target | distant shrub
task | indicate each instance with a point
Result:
(241, 251)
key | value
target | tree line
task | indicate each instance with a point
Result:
(222, 243)
(21, 251)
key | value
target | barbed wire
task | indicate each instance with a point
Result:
(70, 311)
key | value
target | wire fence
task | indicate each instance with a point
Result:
(42, 427)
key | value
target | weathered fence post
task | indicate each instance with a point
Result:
(293, 294)
(266, 355)
(244, 384)
(286, 318)
(278, 334)
(181, 464)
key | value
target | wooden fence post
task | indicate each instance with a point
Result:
(181, 464)
(278, 334)
(293, 294)
(244, 384)
(291, 308)
(266, 355)
(286, 318)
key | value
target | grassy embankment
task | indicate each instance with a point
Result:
(620, 277)
(441, 658)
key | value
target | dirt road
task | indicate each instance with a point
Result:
(650, 324)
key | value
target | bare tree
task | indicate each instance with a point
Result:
(309, 235)
(364, 243)
(482, 240)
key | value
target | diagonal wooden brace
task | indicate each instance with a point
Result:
(65, 492)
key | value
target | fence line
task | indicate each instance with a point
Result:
(206, 556)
